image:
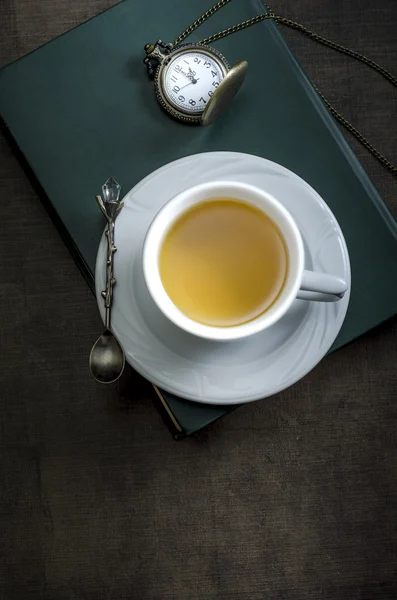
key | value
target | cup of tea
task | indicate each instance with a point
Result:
(224, 260)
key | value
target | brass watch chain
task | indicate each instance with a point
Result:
(314, 36)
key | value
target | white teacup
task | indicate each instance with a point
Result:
(299, 283)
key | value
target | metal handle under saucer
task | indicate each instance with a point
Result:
(321, 287)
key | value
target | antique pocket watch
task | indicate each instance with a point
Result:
(193, 82)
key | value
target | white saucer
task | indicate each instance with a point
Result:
(229, 372)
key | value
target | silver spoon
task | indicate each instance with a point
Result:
(107, 358)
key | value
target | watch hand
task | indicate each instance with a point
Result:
(188, 75)
(192, 74)
(193, 81)
(183, 87)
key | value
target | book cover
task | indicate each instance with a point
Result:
(81, 108)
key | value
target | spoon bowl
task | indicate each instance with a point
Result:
(107, 358)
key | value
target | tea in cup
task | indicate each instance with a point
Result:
(224, 260)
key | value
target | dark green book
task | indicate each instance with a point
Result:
(81, 108)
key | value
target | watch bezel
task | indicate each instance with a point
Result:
(159, 80)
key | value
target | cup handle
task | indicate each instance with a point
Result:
(321, 287)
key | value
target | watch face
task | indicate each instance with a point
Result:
(190, 78)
